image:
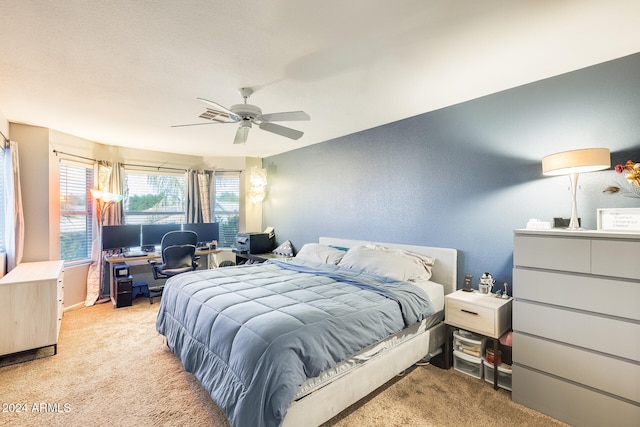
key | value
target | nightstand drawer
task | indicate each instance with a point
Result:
(485, 315)
(471, 317)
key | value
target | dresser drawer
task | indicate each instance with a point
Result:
(616, 258)
(578, 291)
(608, 335)
(484, 315)
(569, 402)
(553, 253)
(595, 370)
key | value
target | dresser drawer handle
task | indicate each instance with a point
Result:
(470, 312)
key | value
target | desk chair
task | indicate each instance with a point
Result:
(178, 250)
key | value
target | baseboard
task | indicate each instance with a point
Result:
(74, 306)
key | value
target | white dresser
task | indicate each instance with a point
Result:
(31, 306)
(576, 325)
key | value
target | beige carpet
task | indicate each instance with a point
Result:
(113, 369)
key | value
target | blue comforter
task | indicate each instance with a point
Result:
(253, 334)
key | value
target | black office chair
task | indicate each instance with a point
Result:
(178, 249)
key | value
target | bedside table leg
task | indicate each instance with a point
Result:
(495, 363)
(447, 347)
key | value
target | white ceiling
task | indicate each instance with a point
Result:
(122, 72)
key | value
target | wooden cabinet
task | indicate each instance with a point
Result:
(576, 325)
(31, 306)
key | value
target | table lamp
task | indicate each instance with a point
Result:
(573, 163)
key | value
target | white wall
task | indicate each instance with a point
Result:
(4, 125)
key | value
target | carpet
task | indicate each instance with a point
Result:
(113, 368)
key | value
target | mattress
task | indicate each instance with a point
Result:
(252, 334)
(436, 294)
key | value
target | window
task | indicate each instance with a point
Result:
(226, 206)
(2, 190)
(152, 198)
(76, 211)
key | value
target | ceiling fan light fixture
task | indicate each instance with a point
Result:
(242, 133)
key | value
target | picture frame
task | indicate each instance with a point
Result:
(621, 219)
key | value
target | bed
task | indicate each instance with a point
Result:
(295, 342)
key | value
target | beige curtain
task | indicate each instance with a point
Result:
(110, 215)
(14, 217)
(204, 182)
(199, 187)
(115, 184)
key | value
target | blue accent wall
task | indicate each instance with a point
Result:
(467, 175)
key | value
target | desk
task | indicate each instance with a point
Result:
(154, 255)
(138, 260)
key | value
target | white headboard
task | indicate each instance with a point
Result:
(445, 270)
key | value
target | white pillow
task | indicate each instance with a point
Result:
(320, 253)
(395, 263)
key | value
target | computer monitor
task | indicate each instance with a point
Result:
(206, 231)
(152, 233)
(120, 236)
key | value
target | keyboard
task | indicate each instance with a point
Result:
(134, 254)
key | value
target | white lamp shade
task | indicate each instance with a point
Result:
(576, 161)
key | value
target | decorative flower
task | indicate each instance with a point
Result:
(631, 171)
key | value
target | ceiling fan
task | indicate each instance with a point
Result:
(247, 115)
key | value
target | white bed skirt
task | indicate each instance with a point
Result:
(325, 403)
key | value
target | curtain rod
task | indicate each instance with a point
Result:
(6, 140)
(56, 152)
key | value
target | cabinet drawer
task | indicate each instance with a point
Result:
(594, 370)
(471, 317)
(577, 291)
(604, 334)
(554, 253)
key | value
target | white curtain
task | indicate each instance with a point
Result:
(14, 217)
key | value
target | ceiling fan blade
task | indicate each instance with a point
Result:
(241, 135)
(289, 116)
(281, 130)
(225, 110)
(197, 124)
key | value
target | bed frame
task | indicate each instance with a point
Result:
(325, 403)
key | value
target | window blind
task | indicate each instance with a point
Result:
(76, 211)
(226, 209)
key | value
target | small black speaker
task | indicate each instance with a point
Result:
(564, 222)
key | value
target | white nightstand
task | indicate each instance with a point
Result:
(483, 314)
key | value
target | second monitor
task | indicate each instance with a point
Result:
(152, 233)
(206, 231)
